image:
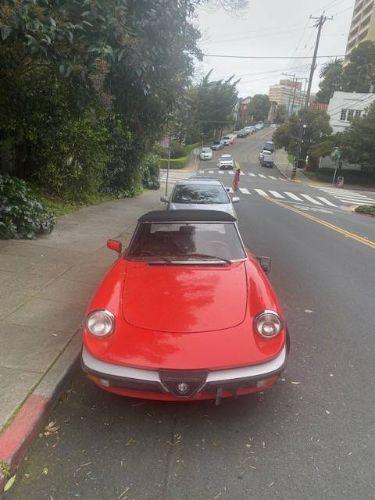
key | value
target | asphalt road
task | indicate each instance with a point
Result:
(311, 437)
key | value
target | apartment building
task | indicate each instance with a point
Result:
(363, 24)
(287, 93)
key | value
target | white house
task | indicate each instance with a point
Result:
(344, 106)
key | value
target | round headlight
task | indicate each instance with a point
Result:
(268, 324)
(100, 323)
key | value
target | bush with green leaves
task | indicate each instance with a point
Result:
(22, 215)
(150, 178)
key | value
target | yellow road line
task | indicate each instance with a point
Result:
(347, 234)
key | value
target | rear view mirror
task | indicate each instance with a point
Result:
(235, 199)
(163, 199)
(114, 245)
(265, 264)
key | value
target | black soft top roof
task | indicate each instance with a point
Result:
(187, 216)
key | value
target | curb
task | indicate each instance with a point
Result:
(17, 437)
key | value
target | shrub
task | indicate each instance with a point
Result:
(22, 215)
(74, 163)
(150, 169)
(123, 175)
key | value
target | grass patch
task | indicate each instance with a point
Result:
(366, 209)
(59, 207)
(353, 177)
(4, 469)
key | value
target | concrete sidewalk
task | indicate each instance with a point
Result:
(285, 168)
(45, 286)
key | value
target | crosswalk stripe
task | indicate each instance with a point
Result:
(221, 172)
(210, 171)
(244, 191)
(261, 192)
(277, 195)
(293, 196)
(308, 198)
(230, 172)
(262, 176)
(252, 175)
(347, 197)
(327, 202)
(353, 202)
(272, 177)
(201, 171)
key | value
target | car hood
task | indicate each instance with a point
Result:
(222, 207)
(184, 298)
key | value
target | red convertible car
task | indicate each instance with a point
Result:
(185, 313)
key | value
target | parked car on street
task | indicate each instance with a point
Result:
(186, 313)
(269, 146)
(226, 162)
(197, 193)
(266, 159)
(242, 133)
(206, 154)
(250, 129)
(216, 145)
(228, 139)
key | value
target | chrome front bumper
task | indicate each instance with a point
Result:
(167, 381)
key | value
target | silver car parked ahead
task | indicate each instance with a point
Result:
(200, 193)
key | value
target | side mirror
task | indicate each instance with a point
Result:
(114, 245)
(265, 264)
(163, 199)
(235, 199)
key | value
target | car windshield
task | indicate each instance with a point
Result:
(199, 193)
(206, 150)
(225, 157)
(216, 143)
(186, 240)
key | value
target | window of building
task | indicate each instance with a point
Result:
(343, 115)
(357, 113)
(350, 114)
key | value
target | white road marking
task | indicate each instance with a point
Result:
(272, 177)
(244, 190)
(230, 172)
(277, 195)
(261, 192)
(293, 196)
(327, 202)
(211, 172)
(252, 175)
(221, 172)
(308, 198)
(262, 176)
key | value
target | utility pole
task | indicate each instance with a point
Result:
(320, 21)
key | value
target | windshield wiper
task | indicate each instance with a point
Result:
(206, 256)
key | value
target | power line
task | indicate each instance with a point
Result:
(271, 57)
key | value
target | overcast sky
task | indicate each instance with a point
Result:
(270, 28)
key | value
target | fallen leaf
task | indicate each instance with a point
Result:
(9, 483)
(45, 471)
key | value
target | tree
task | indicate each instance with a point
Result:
(357, 143)
(281, 114)
(259, 107)
(209, 106)
(359, 74)
(332, 78)
(316, 129)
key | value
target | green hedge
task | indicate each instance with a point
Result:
(366, 209)
(175, 163)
